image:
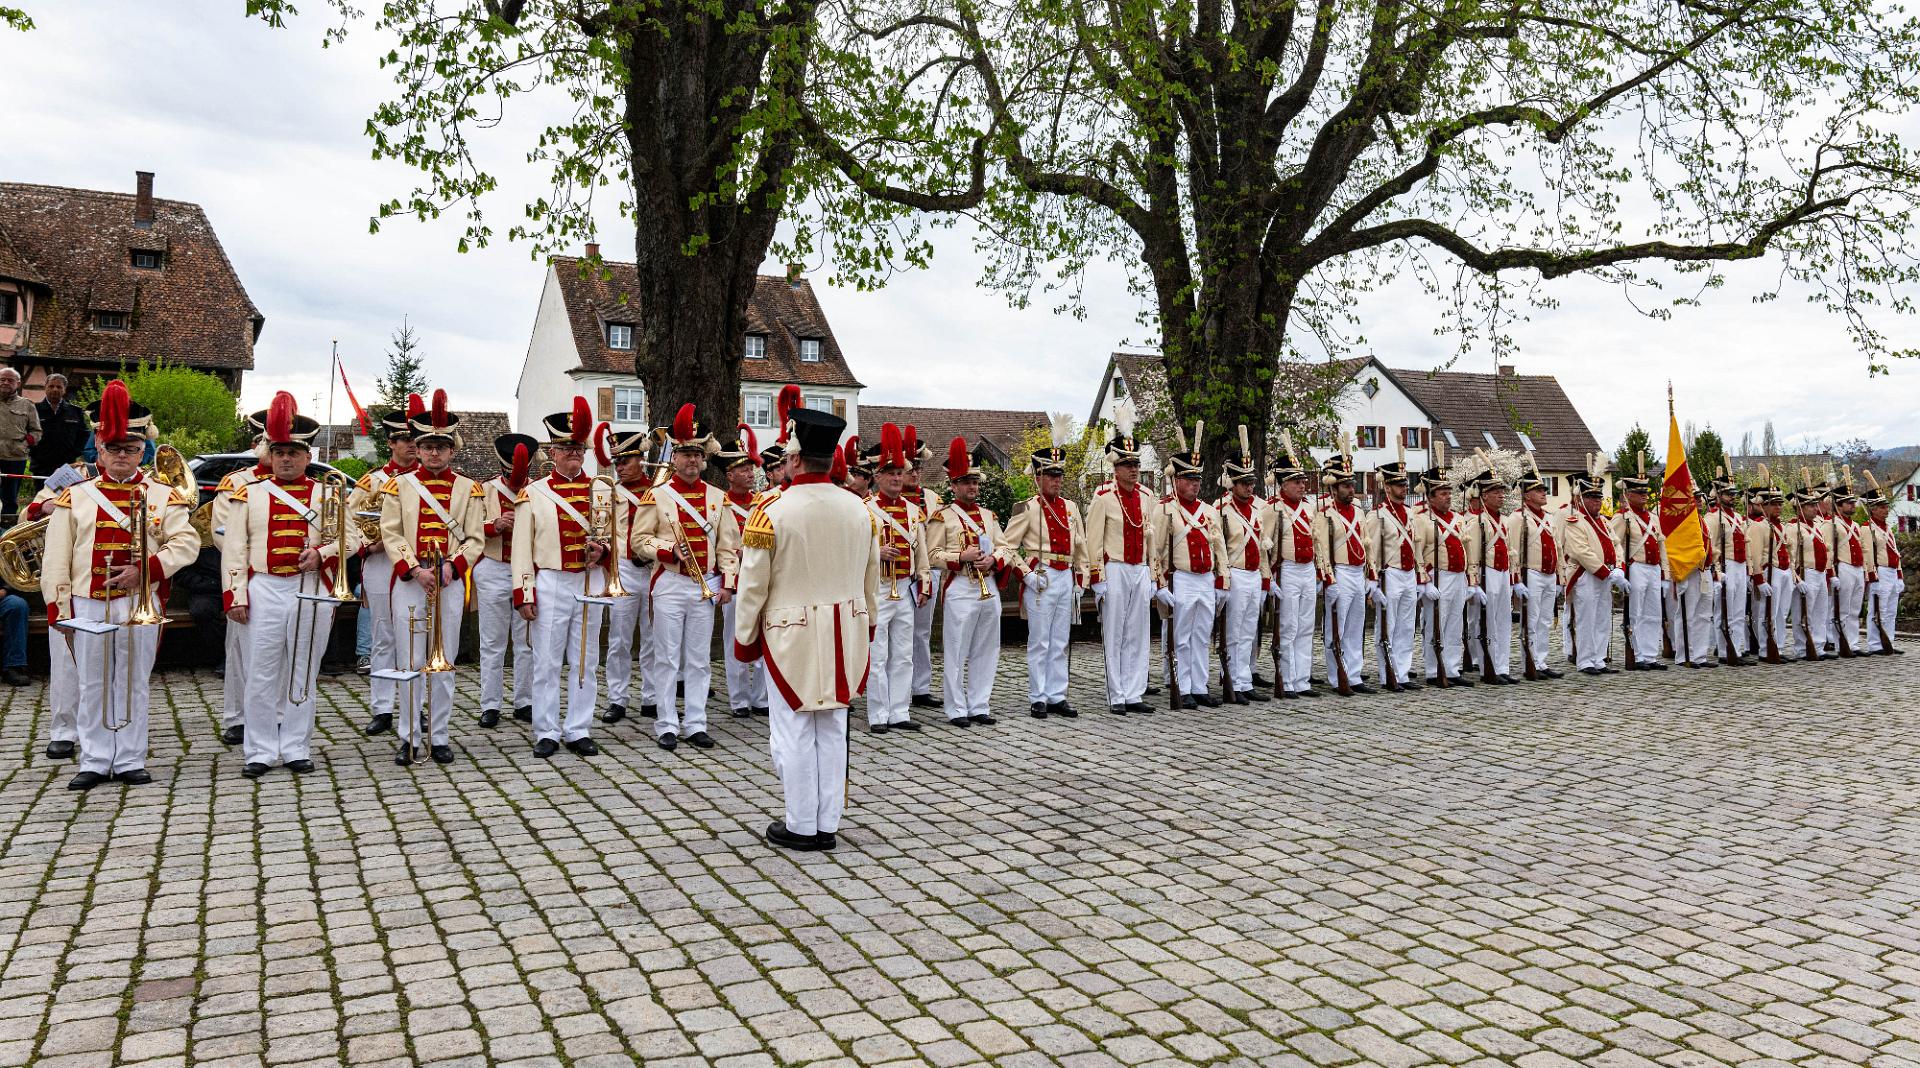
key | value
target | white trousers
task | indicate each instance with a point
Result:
(556, 639)
(890, 660)
(1299, 588)
(747, 681)
(1124, 632)
(435, 689)
(1541, 587)
(1730, 608)
(1883, 600)
(923, 639)
(1497, 619)
(630, 613)
(1819, 616)
(1049, 628)
(969, 649)
(376, 581)
(279, 728)
(1849, 590)
(121, 699)
(1691, 610)
(810, 757)
(1394, 628)
(1192, 629)
(63, 689)
(233, 684)
(1345, 622)
(1444, 620)
(501, 627)
(681, 636)
(1245, 595)
(1643, 600)
(1780, 599)
(1590, 621)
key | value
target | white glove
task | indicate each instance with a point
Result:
(1477, 595)
(1219, 597)
(1032, 581)
(1430, 592)
(1618, 580)
(1163, 597)
(1376, 595)
(1666, 588)
(1520, 592)
(1273, 591)
(1809, 587)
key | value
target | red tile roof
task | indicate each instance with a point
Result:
(783, 313)
(1003, 430)
(193, 311)
(1472, 405)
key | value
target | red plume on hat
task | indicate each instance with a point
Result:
(852, 448)
(439, 409)
(784, 404)
(893, 451)
(748, 439)
(683, 429)
(838, 474)
(959, 464)
(602, 450)
(581, 425)
(415, 407)
(912, 447)
(280, 417)
(112, 425)
(522, 459)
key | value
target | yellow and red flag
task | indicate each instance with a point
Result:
(1679, 510)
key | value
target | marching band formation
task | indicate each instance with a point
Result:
(826, 582)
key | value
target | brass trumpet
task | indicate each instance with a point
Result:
(603, 527)
(437, 661)
(979, 572)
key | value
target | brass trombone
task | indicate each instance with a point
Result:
(437, 662)
(979, 572)
(333, 520)
(423, 715)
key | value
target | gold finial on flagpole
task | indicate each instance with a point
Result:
(1669, 398)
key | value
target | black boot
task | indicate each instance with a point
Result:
(615, 713)
(379, 724)
(490, 718)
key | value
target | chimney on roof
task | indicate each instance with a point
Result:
(593, 249)
(1506, 370)
(143, 199)
(793, 274)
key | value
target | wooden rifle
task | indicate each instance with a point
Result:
(1726, 629)
(1384, 617)
(1342, 683)
(1526, 576)
(1626, 608)
(1833, 587)
(1486, 609)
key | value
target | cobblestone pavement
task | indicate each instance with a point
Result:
(1686, 869)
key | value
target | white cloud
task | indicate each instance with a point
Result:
(265, 129)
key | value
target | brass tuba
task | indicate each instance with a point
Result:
(20, 549)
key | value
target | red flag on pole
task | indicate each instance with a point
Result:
(366, 425)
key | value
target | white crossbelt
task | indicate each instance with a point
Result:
(672, 496)
(880, 514)
(561, 503)
(453, 529)
(304, 511)
(973, 528)
(100, 501)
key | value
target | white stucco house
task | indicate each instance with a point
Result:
(583, 337)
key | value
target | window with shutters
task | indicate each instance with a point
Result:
(840, 407)
(629, 404)
(1416, 437)
(1370, 437)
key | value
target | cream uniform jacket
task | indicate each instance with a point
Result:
(496, 500)
(919, 563)
(652, 537)
(1288, 528)
(1764, 545)
(1484, 534)
(809, 577)
(66, 562)
(1807, 546)
(1173, 523)
(536, 533)
(1630, 533)
(221, 518)
(1334, 535)
(1107, 526)
(366, 494)
(948, 536)
(243, 548)
(1586, 552)
(400, 505)
(1238, 532)
(1881, 551)
(1027, 533)
(1526, 549)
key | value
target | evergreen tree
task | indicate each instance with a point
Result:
(1706, 454)
(1624, 465)
(405, 374)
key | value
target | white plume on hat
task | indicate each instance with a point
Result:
(1060, 424)
(1124, 417)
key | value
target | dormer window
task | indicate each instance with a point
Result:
(619, 335)
(110, 320)
(756, 348)
(809, 350)
(146, 259)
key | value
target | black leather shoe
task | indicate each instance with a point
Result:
(1189, 704)
(255, 770)
(1549, 673)
(650, 711)
(1364, 688)
(739, 713)
(667, 741)
(524, 713)
(1507, 680)
(1461, 681)
(1656, 666)
(379, 724)
(86, 780)
(442, 754)
(961, 722)
(909, 725)
(925, 700)
(700, 740)
(984, 720)
(1151, 691)
(1140, 708)
(614, 713)
(545, 748)
(60, 750)
(490, 718)
(1063, 710)
(777, 834)
(1206, 700)
(1308, 692)
(233, 735)
(1434, 681)
(1593, 671)
(1609, 671)
(761, 710)
(1262, 683)
(583, 747)
(1118, 710)
(877, 728)
(1038, 710)
(1285, 695)
(13, 676)
(403, 756)
(1247, 697)
(826, 840)
(300, 767)
(136, 777)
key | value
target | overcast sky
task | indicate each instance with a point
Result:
(265, 130)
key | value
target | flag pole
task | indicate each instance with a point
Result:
(333, 433)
